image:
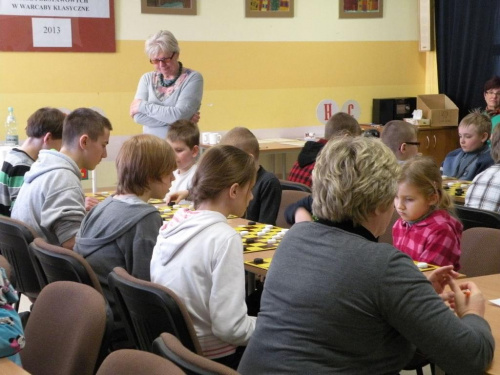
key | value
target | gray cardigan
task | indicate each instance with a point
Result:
(336, 303)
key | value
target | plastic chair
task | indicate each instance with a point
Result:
(15, 236)
(287, 198)
(56, 263)
(474, 217)
(137, 362)
(291, 185)
(480, 252)
(65, 330)
(148, 309)
(169, 347)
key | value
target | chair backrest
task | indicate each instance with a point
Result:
(60, 264)
(290, 185)
(474, 217)
(64, 330)
(137, 362)
(287, 198)
(387, 236)
(15, 236)
(480, 252)
(169, 347)
(148, 309)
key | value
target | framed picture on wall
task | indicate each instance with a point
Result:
(168, 6)
(361, 8)
(269, 8)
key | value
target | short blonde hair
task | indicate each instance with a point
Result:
(480, 121)
(143, 159)
(397, 132)
(353, 176)
(161, 42)
(242, 138)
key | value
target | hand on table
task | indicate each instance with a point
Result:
(468, 299)
(176, 196)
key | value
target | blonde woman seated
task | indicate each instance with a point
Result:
(337, 302)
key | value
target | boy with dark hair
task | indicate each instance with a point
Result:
(184, 137)
(44, 131)
(339, 123)
(266, 200)
(51, 199)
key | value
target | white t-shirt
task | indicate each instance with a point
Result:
(183, 181)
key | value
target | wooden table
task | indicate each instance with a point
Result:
(7, 367)
(274, 146)
(490, 287)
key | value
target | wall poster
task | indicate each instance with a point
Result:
(57, 25)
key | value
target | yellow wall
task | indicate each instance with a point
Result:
(259, 73)
(271, 77)
(254, 84)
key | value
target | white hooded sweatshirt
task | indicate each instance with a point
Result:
(200, 257)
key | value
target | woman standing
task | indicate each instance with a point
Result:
(169, 93)
(492, 99)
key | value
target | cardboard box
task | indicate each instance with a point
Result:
(439, 109)
(422, 121)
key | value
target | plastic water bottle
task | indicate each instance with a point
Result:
(12, 138)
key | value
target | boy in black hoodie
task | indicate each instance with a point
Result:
(339, 123)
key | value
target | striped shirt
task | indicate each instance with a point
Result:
(14, 167)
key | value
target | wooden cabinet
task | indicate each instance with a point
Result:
(437, 142)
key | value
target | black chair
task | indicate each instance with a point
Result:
(290, 185)
(149, 309)
(55, 263)
(15, 237)
(169, 347)
(474, 217)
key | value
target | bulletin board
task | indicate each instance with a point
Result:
(57, 25)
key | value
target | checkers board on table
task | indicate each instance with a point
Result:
(100, 196)
(264, 263)
(260, 237)
(456, 189)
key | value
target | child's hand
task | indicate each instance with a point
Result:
(176, 196)
(90, 203)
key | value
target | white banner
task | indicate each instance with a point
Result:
(55, 8)
(51, 32)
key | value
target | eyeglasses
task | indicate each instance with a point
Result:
(491, 93)
(413, 143)
(162, 60)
